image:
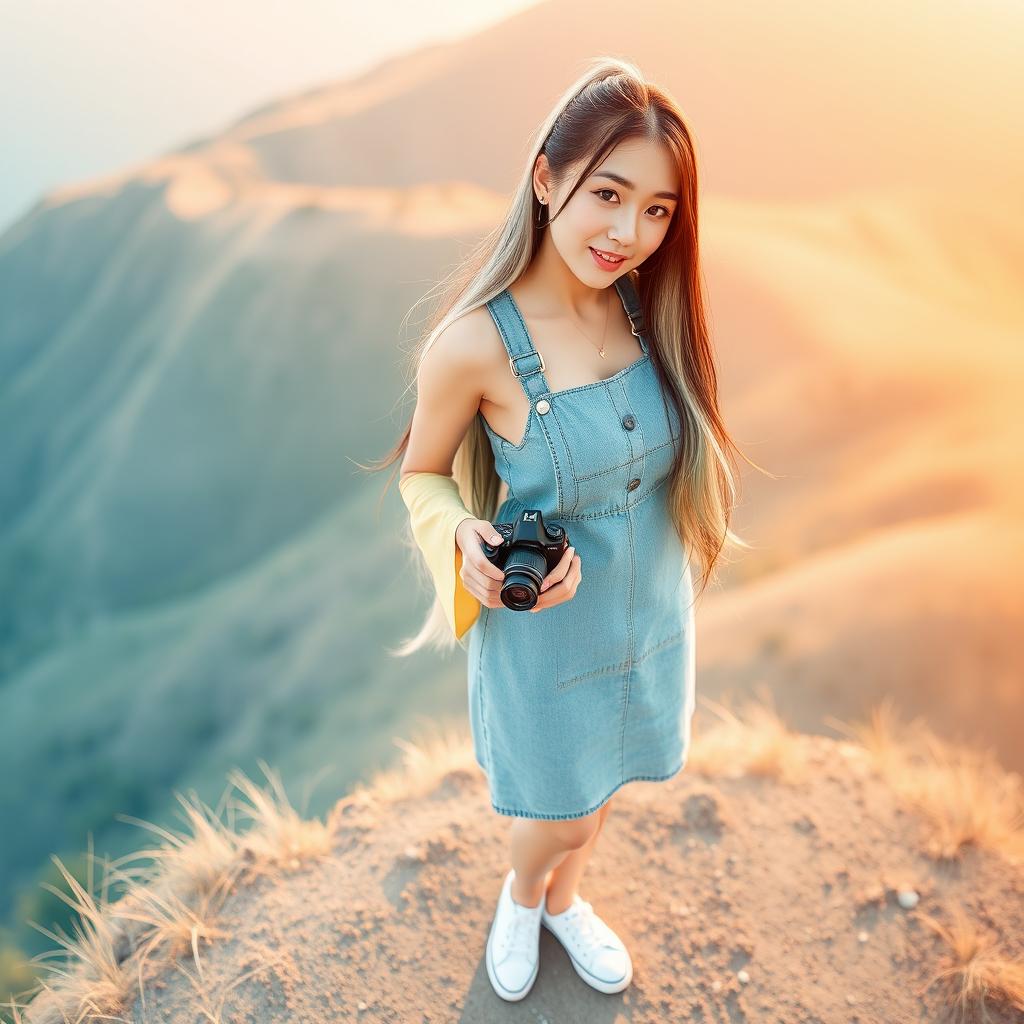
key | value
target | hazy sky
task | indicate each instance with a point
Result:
(88, 88)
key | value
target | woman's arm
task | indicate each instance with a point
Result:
(449, 388)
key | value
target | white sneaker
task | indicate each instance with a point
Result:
(513, 946)
(598, 954)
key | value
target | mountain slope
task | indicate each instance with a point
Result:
(780, 877)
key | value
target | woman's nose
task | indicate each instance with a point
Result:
(623, 231)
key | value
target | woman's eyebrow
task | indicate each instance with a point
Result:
(625, 182)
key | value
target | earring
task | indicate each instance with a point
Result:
(540, 212)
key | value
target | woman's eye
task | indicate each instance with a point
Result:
(611, 192)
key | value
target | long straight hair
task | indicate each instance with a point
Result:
(608, 104)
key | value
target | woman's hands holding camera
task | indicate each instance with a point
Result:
(483, 579)
(562, 582)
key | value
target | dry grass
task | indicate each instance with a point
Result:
(753, 742)
(92, 984)
(964, 795)
(975, 971)
(281, 838)
(169, 904)
(441, 747)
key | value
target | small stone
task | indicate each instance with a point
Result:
(742, 976)
(851, 998)
(361, 1005)
(862, 936)
(907, 898)
(716, 985)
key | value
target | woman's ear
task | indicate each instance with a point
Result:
(542, 177)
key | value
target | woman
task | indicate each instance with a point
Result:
(571, 373)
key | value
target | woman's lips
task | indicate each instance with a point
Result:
(602, 262)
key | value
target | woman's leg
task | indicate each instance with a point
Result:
(539, 845)
(566, 877)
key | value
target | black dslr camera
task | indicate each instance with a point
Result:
(529, 551)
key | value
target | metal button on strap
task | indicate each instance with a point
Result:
(629, 422)
(543, 406)
(633, 484)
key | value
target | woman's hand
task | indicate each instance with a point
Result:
(483, 579)
(479, 575)
(562, 582)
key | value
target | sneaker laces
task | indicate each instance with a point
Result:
(587, 925)
(520, 936)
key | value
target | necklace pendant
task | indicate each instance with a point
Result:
(601, 352)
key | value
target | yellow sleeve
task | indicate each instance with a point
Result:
(435, 512)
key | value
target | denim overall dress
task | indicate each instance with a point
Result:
(570, 703)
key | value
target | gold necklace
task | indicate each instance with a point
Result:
(600, 351)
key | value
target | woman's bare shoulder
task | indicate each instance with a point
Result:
(470, 343)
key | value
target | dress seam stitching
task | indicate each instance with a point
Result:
(628, 462)
(601, 802)
(616, 511)
(565, 684)
(572, 467)
(480, 689)
(630, 651)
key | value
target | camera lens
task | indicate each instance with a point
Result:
(525, 570)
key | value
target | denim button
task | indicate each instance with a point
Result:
(629, 422)
(543, 406)
(633, 484)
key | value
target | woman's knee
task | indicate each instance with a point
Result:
(573, 833)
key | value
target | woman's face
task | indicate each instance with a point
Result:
(623, 208)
